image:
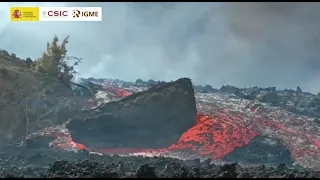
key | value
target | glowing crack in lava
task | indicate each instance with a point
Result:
(224, 124)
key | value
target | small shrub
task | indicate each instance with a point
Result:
(55, 60)
(13, 55)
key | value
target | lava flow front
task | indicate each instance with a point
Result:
(210, 137)
(224, 124)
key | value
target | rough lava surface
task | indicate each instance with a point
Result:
(148, 119)
(227, 121)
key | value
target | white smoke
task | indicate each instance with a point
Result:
(242, 44)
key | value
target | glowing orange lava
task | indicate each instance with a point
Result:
(214, 137)
(117, 91)
(217, 136)
(209, 138)
(122, 92)
(78, 146)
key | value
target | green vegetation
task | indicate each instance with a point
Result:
(55, 60)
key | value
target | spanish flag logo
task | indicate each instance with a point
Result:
(24, 13)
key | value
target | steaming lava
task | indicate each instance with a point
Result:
(224, 125)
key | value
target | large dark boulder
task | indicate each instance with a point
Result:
(154, 118)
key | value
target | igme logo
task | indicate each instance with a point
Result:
(87, 14)
(78, 14)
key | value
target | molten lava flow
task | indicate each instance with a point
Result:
(218, 135)
(118, 92)
(66, 143)
(296, 141)
(215, 137)
(77, 145)
(122, 93)
(209, 137)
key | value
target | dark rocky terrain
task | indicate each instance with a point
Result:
(285, 132)
(294, 100)
(50, 163)
(262, 150)
(35, 162)
(150, 119)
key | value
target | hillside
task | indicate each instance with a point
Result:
(30, 101)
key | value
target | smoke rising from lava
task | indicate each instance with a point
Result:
(242, 44)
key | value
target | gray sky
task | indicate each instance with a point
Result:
(242, 44)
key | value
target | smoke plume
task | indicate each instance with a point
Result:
(242, 44)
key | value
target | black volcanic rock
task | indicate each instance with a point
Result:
(273, 98)
(154, 118)
(231, 90)
(295, 101)
(262, 150)
(59, 164)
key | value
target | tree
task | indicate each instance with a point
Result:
(55, 60)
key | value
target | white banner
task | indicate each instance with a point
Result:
(70, 14)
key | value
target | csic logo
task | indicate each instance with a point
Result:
(16, 14)
(78, 14)
(55, 13)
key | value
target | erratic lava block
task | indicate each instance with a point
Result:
(155, 118)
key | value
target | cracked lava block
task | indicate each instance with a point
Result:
(155, 118)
